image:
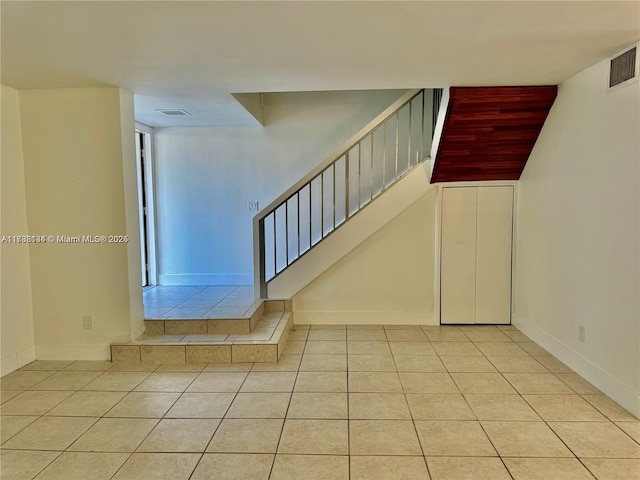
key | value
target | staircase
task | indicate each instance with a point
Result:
(390, 148)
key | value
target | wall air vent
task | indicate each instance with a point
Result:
(623, 68)
(173, 112)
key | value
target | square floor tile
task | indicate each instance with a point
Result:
(596, 439)
(470, 364)
(6, 395)
(374, 382)
(159, 466)
(22, 379)
(201, 405)
(554, 365)
(226, 466)
(310, 467)
(413, 335)
(144, 405)
(368, 348)
(180, 435)
(630, 428)
(269, 382)
(482, 383)
(427, 383)
(578, 384)
(547, 468)
(411, 348)
(259, 405)
(287, 363)
(371, 363)
(383, 437)
(525, 439)
(501, 407)
(383, 468)
(467, 468)
(90, 365)
(613, 469)
(326, 347)
(323, 363)
(372, 335)
(333, 334)
(117, 381)
(84, 465)
(439, 406)
(321, 382)
(455, 348)
(167, 382)
(454, 438)
(34, 402)
(564, 408)
(501, 349)
(217, 382)
(378, 406)
(537, 383)
(24, 464)
(114, 435)
(315, 437)
(419, 363)
(49, 433)
(10, 425)
(66, 381)
(445, 334)
(46, 365)
(318, 406)
(524, 364)
(87, 404)
(608, 408)
(246, 436)
(490, 334)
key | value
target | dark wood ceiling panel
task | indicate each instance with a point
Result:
(489, 132)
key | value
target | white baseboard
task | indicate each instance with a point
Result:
(74, 352)
(363, 318)
(179, 279)
(604, 381)
(17, 359)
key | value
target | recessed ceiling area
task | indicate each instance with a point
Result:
(193, 54)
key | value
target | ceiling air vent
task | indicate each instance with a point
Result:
(173, 112)
(623, 68)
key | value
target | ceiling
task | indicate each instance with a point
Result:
(193, 54)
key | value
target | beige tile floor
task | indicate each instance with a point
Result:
(344, 403)
(164, 302)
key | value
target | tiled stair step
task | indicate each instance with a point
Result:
(264, 344)
(215, 325)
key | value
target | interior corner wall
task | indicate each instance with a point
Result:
(73, 156)
(577, 259)
(388, 278)
(17, 339)
(206, 176)
(132, 212)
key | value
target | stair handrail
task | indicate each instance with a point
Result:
(340, 152)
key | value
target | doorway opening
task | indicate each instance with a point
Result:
(144, 167)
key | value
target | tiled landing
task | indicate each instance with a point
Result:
(343, 403)
(198, 301)
(264, 343)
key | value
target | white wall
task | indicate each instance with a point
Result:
(388, 278)
(206, 176)
(78, 144)
(578, 234)
(17, 341)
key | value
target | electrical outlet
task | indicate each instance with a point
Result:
(87, 322)
(581, 333)
(252, 206)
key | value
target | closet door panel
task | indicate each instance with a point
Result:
(493, 262)
(458, 256)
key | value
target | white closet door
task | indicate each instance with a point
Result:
(458, 256)
(493, 262)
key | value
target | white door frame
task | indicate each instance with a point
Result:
(149, 189)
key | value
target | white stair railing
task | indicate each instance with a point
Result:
(385, 150)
